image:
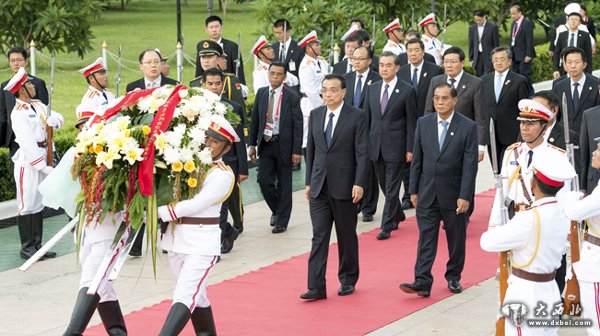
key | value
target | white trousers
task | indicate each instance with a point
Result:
(191, 272)
(90, 257)
(27, 180)
(590, 305)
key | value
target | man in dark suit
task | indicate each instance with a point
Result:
(413, 34)
(357, 83)
(336, 159)
(17, 58)
(276, 130)
(502, 91)
(235, 158)
(590, 130)
(580, 89)
(521, 43)
(483, 38)
(293, 52)
(419, 73)
(470, 97)
(150, 64)
(442, 181)
(351, 42)
(391, 108)
(573, 37)
(213, 25)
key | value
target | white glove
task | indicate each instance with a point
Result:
(163, 213)
(53, 122)
(47, 170)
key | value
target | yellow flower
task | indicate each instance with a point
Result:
(98, 149)
(145, 129)
(189, 166)
(192, 182)
(177, 166)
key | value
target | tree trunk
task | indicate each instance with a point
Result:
(223, 7)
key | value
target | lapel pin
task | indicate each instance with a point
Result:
(507, 82)
(464, 87)
(425, 74)
(451, 133)
(590, 88)
(397, 91)
(369, 82)
(551, 139)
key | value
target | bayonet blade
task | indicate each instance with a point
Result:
(494, 151)
(565, 111)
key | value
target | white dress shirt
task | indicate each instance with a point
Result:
(363, 80)
(336, 115)
(392, 85)
(440, 127)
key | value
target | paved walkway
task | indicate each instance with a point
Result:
(39, 301)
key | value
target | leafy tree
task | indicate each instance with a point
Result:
(62, 25)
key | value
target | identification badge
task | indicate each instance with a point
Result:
(292, 66)
(268, 129)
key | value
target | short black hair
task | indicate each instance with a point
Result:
(455, 50)
(369, 51)
(211, 19)
(277, 64)
(413, 32)
(338, 77)
(453, 92)
(390, 54)
(573, 50)
(17, 50)
(546, 188)
(417, 41)
(360, 22)
(364, 35)
(501, 49)
(212, 72)
(279, 23)
(550, 96)
(143, 53)
(479, 12)
(574, 14)
(354, 38)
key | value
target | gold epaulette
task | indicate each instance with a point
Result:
(513, 146)
(221, 165)
(557, 148)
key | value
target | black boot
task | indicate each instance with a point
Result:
(38, 230)
(82, 313)
(203, 321)
(112, 318)
(176, 320)
(25, 225)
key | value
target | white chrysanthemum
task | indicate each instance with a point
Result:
(198, 135)
(203, 122)
(220, 108)
(186, 154)
(176, 113)
(190, 112)
(171, 154)
(183, 93)
(205, 156)
(144, 103)
(209, 95)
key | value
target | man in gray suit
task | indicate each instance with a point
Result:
(470, 93)
(336, 161)
(442, 181)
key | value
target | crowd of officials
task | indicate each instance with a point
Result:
(410, 118)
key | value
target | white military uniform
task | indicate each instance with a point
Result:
(260, 77)
(535, 247)
(396, 48)
(433, 46)
(311, 74)
(514, 165)
(193, 249)
(96, 98)
(587, 268)
(29, 127)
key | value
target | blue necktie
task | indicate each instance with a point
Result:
(384, 98)
(572, 40)
(498, 86)
(444, 124)
(414, 78)
(358, 91)
(575, 97)
(329, 130)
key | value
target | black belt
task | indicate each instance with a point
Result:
(42, 144)
(535, 277)
(592, 239)
(274, 138)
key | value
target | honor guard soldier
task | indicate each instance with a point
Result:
(193, 237)
(535, 239)
(209, 53)
(516, 167)
(263, 50)
(394, 33)
(433, 45)
(97, 78)
(29, 119)
(313, 69)
(586, 269)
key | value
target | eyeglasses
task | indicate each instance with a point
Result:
(334, 91)
(155, 62)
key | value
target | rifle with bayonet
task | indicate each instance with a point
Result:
(331, 45)
(239, 55)
(283, 44)
(118, 80)
(445, 25)
(503, 262)
(572, 300)
(373, 36)
(49, 130)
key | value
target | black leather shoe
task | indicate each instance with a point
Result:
(415, 287)
(296, 167)
(367, 218)
(406, 204)
(401, 217)
(314, 294)
(227, 244)
(48, 255)
(395, 226)
(454, 286)
(273, 220)
(278, 229)
(239, 227)
(383, 235)
(346, 290)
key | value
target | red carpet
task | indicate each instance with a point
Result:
(266, 302)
